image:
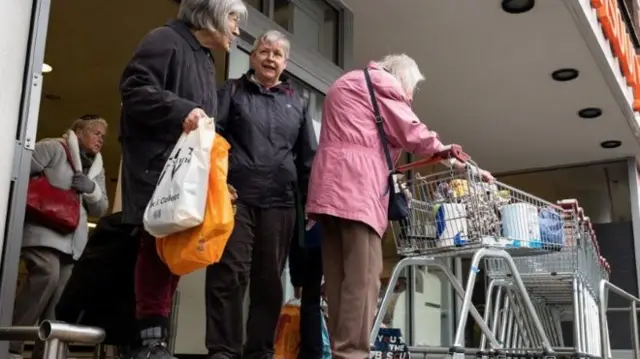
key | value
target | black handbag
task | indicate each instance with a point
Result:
(398, 203)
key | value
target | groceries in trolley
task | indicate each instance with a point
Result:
(458, 210)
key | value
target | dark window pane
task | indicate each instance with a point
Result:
(256, 4)
(283, 14)
(314, 23)
(329, 35)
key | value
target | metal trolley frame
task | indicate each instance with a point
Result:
(563, 284)
(454, 213)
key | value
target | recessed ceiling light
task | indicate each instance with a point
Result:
(517, 6)
(590, 112)
(563, 75)
(610, 144)
(46, 68)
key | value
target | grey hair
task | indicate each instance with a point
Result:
(403, 68)
(211, 15)
(88, 121)
(273, 37)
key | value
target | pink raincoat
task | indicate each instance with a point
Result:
(349, 176)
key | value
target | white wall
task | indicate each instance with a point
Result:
(15, 18)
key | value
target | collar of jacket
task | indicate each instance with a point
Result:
(284, 85)
(185, 31)
(71, 140)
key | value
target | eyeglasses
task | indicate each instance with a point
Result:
(90, 117)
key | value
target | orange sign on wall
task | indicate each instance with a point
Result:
(615, 30)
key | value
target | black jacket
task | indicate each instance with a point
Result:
(169, 75)
(272, 141)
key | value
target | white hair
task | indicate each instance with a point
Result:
(403, 68)
(273, 37)
(211, 15)
(86, 122)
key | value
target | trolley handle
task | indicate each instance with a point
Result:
(450, 152)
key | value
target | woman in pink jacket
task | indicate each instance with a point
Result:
(348, 190)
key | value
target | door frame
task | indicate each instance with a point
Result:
(24, 145)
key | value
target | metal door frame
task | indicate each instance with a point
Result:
(24, 146)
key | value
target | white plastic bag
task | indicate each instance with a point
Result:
(178, 202)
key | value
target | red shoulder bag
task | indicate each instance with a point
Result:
(53, 207)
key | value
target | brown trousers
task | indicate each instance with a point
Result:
(352, 262)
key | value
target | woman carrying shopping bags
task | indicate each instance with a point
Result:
(166, 88)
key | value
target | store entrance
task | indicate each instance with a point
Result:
(83, 47)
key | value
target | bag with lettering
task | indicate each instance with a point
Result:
(179, 200)
(390, 345)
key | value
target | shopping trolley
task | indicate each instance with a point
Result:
(563, 285)
(454, 213)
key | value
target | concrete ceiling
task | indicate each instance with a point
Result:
(488, 83)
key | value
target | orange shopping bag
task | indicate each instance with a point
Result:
(288, 332)
(200, 246)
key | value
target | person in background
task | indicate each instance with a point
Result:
(72, 161)
(398, 289)
(166, 88)
(349, 190)
(272, 146)
(305, 268)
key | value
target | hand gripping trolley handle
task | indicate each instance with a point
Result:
(455, 213)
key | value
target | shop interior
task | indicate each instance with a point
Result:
(89, 43)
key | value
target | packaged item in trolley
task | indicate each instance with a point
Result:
(520, 223)
(551, 228)
(451, 224)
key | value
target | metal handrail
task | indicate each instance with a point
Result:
(69, 333)
(605, 288)
(55, 335)
(21, 334)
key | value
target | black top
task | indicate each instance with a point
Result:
(272, 141)
(169, 75)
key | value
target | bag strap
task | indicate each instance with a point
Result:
(68, 153)
(379, 120)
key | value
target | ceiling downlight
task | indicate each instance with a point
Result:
(590, 112)
(517, 6)
(610, 144)
(564, 75)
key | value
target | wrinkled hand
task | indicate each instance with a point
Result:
(233, 193)
(487, 176)
(309, 224)
(191, 122)
(81, 183)
(297, 292)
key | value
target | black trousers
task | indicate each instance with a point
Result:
(305, 265)
(257, 252)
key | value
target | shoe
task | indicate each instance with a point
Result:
(155, 350)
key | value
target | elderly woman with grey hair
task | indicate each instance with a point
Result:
(168, 85)
(349, 188)
(72, 161)
(272, 146)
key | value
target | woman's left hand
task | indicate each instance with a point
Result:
(310, 223)
(233, 193)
